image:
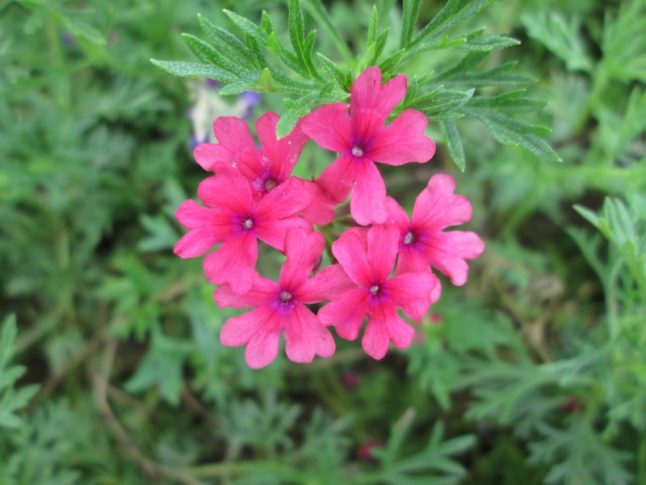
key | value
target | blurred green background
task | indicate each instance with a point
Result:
(534, 372)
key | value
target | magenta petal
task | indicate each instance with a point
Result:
(304, 250)
(213, 157)
(412, 292)
(329, 127)
(266, 128)
(262, 348)
(337, 178)
(233, 133)
(437, 207)
(288, 198)
(367, 93)
(346, 313)
(321, 209)
(447, 252)
(383, 243)
(375, 338)
(274, 232)
(397, 216)
(238, 330)
(412, 259)
(261, 293)
(195, 243)
(351, 252)
(306, 337)
(232, 193)
(326, 285)
(403, 141)
(233, 263)
(399, 332)
(368, 201)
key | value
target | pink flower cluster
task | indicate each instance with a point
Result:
(382, 266)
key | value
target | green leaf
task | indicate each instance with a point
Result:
(410, 12)
(487, 43)
(247, 26)
(452, 13)
(228, 46)
(513, 132)
(561, 37)
(319, 13)
(453, 143)
(162, 367)
(194, 69)
(207, 54)
(11, 400)
(441, 103)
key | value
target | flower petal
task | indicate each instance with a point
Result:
(368, 93)
(447, 252)
(351, 252)
(237, 331)
(288, 198)
(261, 293)
(436, 207)
(399, 332)
(225, 192)
(214, 157)
(233, 263)
(412, 259)
(321, 209)
(375, 339)
(329, 127)
(383, 243)
(412, 292)
(346, 313)
(337, 178)
(262, 348)
(195, 243)
(327, 284)
(397, 216)
(403, 141)
(274, 232)
(306, 337)
(233, 133)
(304, 250)
(281, 155)
(368, 201)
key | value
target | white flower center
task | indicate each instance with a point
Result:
(409, 238)
(374, 289)
(285, 296)
(247, 223)
(357, 151)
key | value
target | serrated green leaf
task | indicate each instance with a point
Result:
(487, 43)
(194, 69)
(410, 13)
(247, 26)
(440, 100)
(207, 54)
(452, 13)
(375, 49)
(373, 25)
(510, 102)
(454, 143)
(318, 11)
(228, 45)
(560, 36)
(513, 132)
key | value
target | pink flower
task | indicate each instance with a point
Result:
(281, 307)
(359, 134)
(266, 167)
(368, 257)
(233, 218)
(424, 242)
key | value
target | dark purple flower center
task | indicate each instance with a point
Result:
(409, 238)
(357, 151)
(247, 223)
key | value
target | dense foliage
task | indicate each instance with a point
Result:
(110, 365)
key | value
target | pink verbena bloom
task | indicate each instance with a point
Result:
(266, 166)
(280, 307)
(359, 135)
(424, 242)
(368, 257)
(233, 218)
